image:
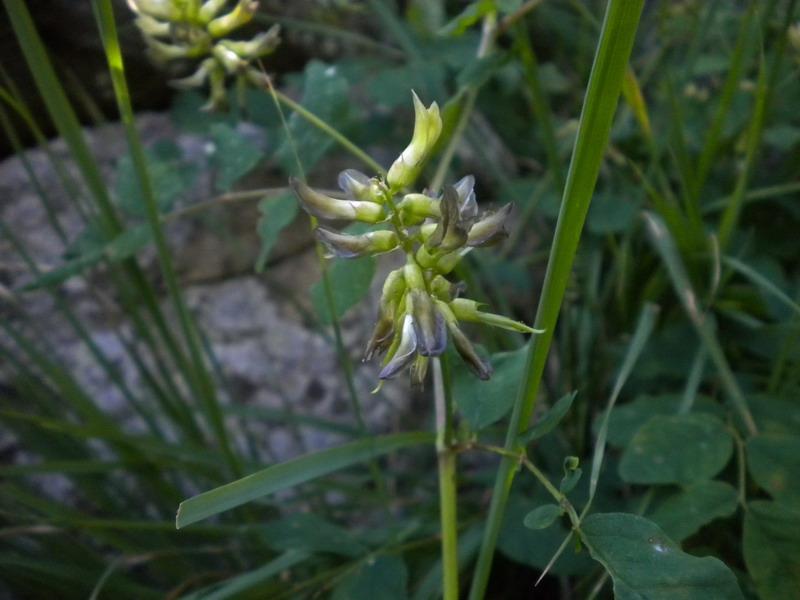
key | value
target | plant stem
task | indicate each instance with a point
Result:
(602, 95)
(447, 484)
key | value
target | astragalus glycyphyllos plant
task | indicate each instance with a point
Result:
(181, 29)
(419, 307)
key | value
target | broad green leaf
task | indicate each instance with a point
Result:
(677, 449)
(625, 420)
(380, 578)
(771, 546)
(777, 414)
(292, 473)
(549, 420)
(325, 94)
(536, 548)
(235, 155)
(484, 402)
(350, 280)
(310, 533)
(773, 460)
(276, 213)
(170, 175)
(644, 563)
(683, 513)
(124, 246)
(542, 517)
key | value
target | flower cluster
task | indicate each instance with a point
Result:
(419, 308)
(193, 29)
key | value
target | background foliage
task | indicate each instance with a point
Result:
(675, 356)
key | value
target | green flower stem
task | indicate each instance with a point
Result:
(328, 130)
(602, 95)
(447, 484)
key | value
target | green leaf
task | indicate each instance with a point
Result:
(124, 246)
(549, 420)
(625, 420)
(325, 94)
(310, 533)
(291, 473)
(682, 514)
(234, 156)
(380, 578)
(171, 177)
(645, 563)
(773, 460)
(350, 279)
(542, 517)
(473, 13)
(277, 212)
(253, 581)
(484, 402)
(677, 449)
(478, 72)
(536, 548)
(771, 546)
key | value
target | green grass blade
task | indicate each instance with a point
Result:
(602, 95)
(292, 473)
(703, 323)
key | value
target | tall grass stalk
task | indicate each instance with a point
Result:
(605, 84)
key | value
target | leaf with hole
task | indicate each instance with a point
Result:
(645, 563)
(677, 449)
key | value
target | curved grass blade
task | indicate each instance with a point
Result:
(294, 472)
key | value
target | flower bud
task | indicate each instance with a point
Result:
(209, 9)
(381, 337)
(405, 351)
(413, 276)
(489, 229)
(479, 367)
(196, 79)
(164, 10)
(262, 44)
(152, 27)
(427, 127)
(354, 246)
(420, 206)
(419, 368)
(241, 14)
(428, 323)
(467, 310)
(325, 207)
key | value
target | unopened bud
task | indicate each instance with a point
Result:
(479, 367)
(209, 9)
(427, 127)
(490, 228)
(262, 44)
(381, 337)
(343, 245)
(467, 310)
(325, 207)
(419, 368)
(152, 27)
(419, 207)
(196, 79)
(164, 10)
(241, 14)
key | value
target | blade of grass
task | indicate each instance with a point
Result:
(292, 473)
(602, 95)
(199, 369)
(702, 323)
